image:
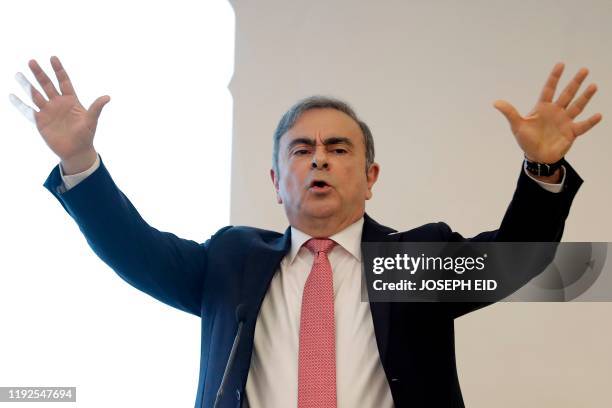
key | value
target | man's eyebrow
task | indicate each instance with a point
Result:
(301, 141)
(333, 140)
(338, 140)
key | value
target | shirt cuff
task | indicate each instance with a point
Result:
(553, 188)
(74, 179)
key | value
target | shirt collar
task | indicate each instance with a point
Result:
(349, 239)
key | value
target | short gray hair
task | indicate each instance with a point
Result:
(320, 102)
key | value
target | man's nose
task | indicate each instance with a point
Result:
(319, 159)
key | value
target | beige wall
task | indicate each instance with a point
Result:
(424, 76)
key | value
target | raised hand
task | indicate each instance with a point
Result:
(65, 125)
(548, 131)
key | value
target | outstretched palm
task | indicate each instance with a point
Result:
(548, 131)
(65, 125)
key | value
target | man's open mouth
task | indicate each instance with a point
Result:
(319, 186)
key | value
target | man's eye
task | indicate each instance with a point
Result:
(340, 151)
(300, 152)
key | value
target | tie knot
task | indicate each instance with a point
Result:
(316, 245)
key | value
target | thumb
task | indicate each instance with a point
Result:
(98, 104)
(509, 112)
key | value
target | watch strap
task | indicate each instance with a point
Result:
(542, 169)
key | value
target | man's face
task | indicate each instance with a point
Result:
(337, 187)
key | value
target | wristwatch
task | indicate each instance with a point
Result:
(542, 169)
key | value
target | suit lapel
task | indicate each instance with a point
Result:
(381, 311)
(263, 261)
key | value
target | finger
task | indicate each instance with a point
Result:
(581, 128)
(578, 105)
(26, 110)
(570, 90)
(551, 83)
(98, 104)
(511, 114)
(62, 77)
(43, 79)
(30, 90)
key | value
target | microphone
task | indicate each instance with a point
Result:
(240, 318)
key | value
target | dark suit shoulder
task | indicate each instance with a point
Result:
(242, 237)
(430, 232)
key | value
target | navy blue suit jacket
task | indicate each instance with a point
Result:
(234, 267)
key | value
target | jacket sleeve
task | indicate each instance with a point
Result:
(159, 263)
(534, 215)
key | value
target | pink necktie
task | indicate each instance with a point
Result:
(317, 358)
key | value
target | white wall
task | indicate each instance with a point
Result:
(424, 75)
(66, 319)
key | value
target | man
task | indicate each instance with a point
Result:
(282, 320)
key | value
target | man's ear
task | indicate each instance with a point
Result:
(372, 176)
(275, 183)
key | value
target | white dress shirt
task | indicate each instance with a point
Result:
(273, 374)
